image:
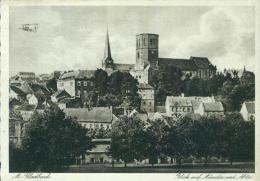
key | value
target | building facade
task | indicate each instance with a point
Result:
(178, 106)
(76, 83)
(147, 94)
(248, 110)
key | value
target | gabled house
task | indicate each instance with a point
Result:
(16, 93)
(211, 109)
(59, 95)
(248, 111)
(96, 118)
(179, 106)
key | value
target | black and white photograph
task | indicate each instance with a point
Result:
(132, 89)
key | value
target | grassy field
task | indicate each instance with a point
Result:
(185, 168)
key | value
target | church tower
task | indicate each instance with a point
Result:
(147, 51)
(107, 62)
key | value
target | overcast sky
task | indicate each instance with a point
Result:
(74, 37)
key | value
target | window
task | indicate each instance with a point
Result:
(139, 76)
(151, 41)
(85, 92)
(188, 109)
(183, 109)
(138, 54)
(144, 41)
(79, 83)
(85, 83)
(78, 93)
(90, 125)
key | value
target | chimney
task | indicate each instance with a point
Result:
(182, 95)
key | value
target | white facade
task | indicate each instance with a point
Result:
(32, 99)
(181, 105)
(246, 114)
(141, 75)
(67, 85)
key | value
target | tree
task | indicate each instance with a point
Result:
(128, 139)
(156, 139)
(100, 82)
(52, 141)
(180, 143)
(166, 82)
(231, 138)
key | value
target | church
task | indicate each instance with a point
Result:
(148, 61)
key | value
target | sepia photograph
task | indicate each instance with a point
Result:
(132, 89)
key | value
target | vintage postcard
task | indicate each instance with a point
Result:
(98, 90)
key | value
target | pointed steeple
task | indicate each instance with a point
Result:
(107, 60)
(107, 52)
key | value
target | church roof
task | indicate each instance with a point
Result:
(183, 64)
(123, 67)
(191, 64)
(202, 62)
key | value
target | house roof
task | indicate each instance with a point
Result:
(79, 74)
(17, 90)
(60, 92)
(26, 107)
(183, 64)
(39, 88)
(250, 106)
(193, 101)
(145, 86)
(213, 107)
(202, 62)
(96, 114)
(123, 67)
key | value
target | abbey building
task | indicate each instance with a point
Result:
(148, 61)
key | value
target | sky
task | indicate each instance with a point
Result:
(72, 38)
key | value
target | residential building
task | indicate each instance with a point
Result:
(95, 118)
(76, 83)
(16, 93)
(70, 102)
(27, 76)
(100, 153)
(15, 128)
(248, 110)
(178, 106)
(211, 109)
(59, 95)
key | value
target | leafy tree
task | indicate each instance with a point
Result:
(183, 145)
(156, 139)
(52, 141)
(231, 140)
(128, 139)
(100, 82)
(166, 82)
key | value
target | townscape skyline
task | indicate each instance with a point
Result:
(63, 42)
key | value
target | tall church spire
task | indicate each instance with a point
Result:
(107, 61)
(107, 52)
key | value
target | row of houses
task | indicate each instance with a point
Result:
(29, 97)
